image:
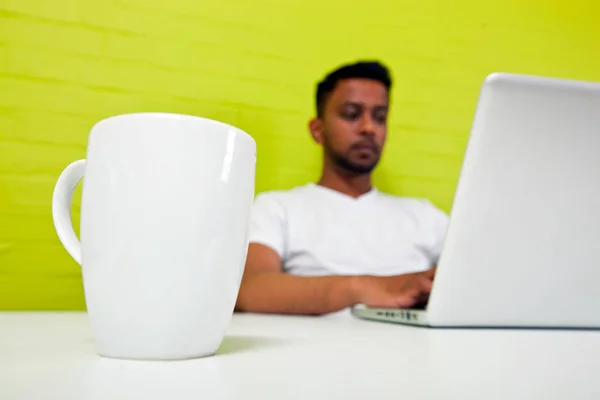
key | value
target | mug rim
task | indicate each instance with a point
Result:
(163, 114)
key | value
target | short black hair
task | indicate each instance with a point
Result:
(373, 70)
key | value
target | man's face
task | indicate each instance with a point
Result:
(353, 127)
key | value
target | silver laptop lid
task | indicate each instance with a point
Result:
(523, 243)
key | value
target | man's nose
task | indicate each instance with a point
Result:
(367, 126)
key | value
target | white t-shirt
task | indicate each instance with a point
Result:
(318, 231)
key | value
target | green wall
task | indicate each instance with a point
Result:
(65, 64)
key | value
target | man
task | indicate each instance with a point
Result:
(323, 247)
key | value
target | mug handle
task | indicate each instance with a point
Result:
(61, 207)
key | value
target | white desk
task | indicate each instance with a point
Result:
(52, 356)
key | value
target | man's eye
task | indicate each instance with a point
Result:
(380, 118)
(350, 115)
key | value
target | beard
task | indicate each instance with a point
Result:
(347, 163)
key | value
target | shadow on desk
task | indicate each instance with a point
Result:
(233, 344)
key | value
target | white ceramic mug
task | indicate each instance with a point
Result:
(165, 209)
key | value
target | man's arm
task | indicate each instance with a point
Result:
(266, 289)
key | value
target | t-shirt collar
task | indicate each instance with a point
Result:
(363, 196)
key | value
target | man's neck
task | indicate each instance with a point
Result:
(349, 184)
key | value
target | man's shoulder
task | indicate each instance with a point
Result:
(409, 203)
(285, 196)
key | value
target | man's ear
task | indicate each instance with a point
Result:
(315, 126)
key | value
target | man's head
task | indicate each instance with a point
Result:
(351, 123)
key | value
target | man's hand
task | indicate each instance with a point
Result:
(266, 289)
(401, 291)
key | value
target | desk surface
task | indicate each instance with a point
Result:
(52, 356)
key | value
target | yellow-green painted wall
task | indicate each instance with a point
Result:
(65, 64)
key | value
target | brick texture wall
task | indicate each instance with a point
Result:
(65, 64)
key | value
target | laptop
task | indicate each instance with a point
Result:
(523, 243)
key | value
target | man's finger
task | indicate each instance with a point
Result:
(408, 298)
(430, 273)
(426, 285)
